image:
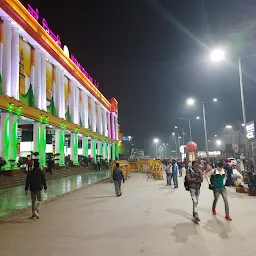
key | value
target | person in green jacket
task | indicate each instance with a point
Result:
(217, 179)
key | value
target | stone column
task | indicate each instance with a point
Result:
(93, 107)
(99, 147)
(13, 137)
(43, 82)
(109, 151)
(100, 120)
(38, 78)
(60, 106)
(15, 63)
(85, 110)
(116, 128)
(4, 138)
(117, 152)
(112, 119)
(6, 73)
(85, 145)
(1, 46)
(105, 122)
(39, 141)
(109, 125)
(75, 103)
(104, 150)
(74, 148)
(59, 145)
(93, 149)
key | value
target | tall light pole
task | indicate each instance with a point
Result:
(189, 125)
(182, 132)
(191, 101)
(175, 141)
(218, 55)
(156, 140)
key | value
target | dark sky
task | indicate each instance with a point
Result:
(151, 55)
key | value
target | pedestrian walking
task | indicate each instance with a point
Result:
(35, 182)
(118, 176)
(168, 171)
(175, 172)
(229, 172)
(194, 179)
(217, 179)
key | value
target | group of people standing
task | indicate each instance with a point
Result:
(172, 172)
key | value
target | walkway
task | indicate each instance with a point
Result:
(13, 199)
(149, 219)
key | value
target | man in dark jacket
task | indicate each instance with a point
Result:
(35, 182)
(118, 176)
(194, 178)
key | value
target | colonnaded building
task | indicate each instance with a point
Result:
(48, 101)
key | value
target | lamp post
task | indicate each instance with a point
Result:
(175, 141)
(156, 140)
(189, 125)
(218, 55)
(182, 132)
(192, 101)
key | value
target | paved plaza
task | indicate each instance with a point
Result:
(149, 219)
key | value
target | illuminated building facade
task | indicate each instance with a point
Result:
(43, 86)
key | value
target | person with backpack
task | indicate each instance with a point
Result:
(193, 181)
(168, 171)
(35, 182)
(217, 179)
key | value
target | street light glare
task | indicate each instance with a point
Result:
(190, 101)
(198, 117)
(228, 126)
(215, 99)
(218, 142)
(175, 127)
(215, 135)
(217, 55)
(156, 140)
(173, 133)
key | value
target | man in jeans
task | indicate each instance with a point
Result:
(35, 182)
(194, 178)
(118, 176)
(168, 171)
(217, 179)
(175, 172)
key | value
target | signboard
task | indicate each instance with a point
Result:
(182, 149)
(250, 130)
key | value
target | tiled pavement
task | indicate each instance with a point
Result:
(13, 199)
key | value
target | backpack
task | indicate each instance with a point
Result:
(186, 184)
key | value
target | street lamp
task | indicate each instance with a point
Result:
(218, 143)
(189, 125)
(175, 141)
(156, 140)
(215, 135)
(182, 132)
(192, 101)
(218, 55)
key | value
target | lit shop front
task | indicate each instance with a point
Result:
(48, 102)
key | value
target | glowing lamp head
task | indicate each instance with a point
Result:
(217, 55)
(218, 142)
(228, 126)
(156, 140)
(190, 101)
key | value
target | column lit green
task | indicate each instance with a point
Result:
(6, 142)
(75, 138)
(85, 146)
(117, 152)
(113, 152)
(94, 151)
(62, 147)
(13, 143)
(42, 146)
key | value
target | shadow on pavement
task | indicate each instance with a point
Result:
(216, 226)
(180, 213)
(183, 231)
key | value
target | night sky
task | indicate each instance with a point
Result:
(151, 55)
